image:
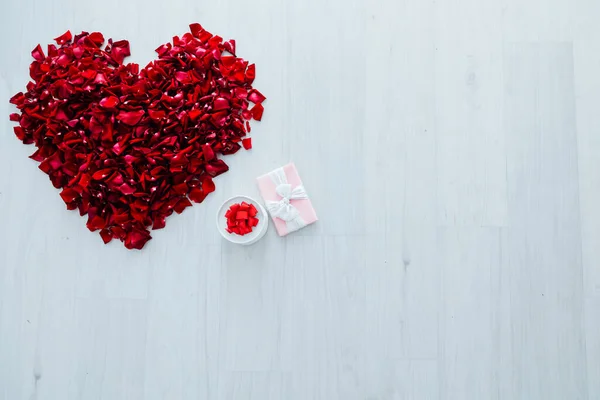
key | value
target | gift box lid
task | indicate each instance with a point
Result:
(286, 199)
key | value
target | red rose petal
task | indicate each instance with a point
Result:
(89, 74)
(194, 114)
(159, 222)
(64, 38)
(120, 50)
(136, 239)
(126, 189)
(18, 100)
(38, 53)
(95, 223)
(250, 73)
(247, 143)
(100, 79)
(69, 195)
(216, 167)
(255, 96)
(181, 189)
(130, 117)
(252, 211)
(239, 218)
(106, 235)
(182, 205)
(230, 46)
(208, 152)
(118, 232)
(181, 76)
(257, 112)
(208, 186)
(97, 38)
(220, 104)
(100, 175)
(20, 133)
(196, 29)
(156, 115)
(197, 195)
(110, 102)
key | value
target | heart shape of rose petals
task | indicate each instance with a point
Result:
(129, 147)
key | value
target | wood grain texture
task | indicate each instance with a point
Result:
(544, 235)
(452, 151)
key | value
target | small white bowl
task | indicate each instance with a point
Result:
(257, 233)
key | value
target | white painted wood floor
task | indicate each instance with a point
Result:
(452, 150)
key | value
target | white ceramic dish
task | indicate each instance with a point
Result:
(257, 233)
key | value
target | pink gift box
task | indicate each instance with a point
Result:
(286, 199)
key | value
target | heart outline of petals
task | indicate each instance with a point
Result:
(130, 146)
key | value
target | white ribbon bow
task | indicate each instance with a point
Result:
(282, 208)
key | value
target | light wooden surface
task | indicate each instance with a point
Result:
(452, 150)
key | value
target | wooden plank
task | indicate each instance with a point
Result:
(474, 348)
(470, 154)
(544, 235)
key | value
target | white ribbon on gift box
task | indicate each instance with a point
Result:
(282, 208)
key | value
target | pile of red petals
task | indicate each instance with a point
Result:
(129, 146)
(241, 218)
